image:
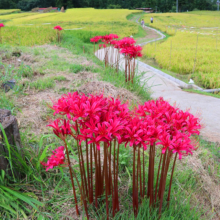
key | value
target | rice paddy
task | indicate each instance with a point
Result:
(193, 47)
(28, 29)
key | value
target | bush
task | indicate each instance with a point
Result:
(173, 9)
(35, 9)
(114, 6)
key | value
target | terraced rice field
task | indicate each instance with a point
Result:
(36, 28)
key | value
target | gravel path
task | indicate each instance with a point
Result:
(207, 107)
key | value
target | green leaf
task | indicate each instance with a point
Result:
(22, 197)
(9, 149)
(43, 155)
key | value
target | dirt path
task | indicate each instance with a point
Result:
(207, 107)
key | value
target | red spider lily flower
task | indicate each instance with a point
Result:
(56, 159)
(63, 105)
(95, 39)
(126, 42)
(61, 128)
(193, 125)
(113, 36)
(113, 42)
(58, 28)
(182, 145)
(97, 133)
(135, 133)
(93, 106)
(115, 128)
(152, 132)
(107, 39)
(165, 141)
(132, 51)
(116, 46)
(1, 25)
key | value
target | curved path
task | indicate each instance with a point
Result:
(207, 107)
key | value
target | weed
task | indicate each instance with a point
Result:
(6, 102)
(36, 52)
(59, 78)
(42, 84)
(75, 68)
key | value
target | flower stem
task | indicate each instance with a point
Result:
(71, 176)
(91, 173)
(158, 177)
(106, 179)
(171, 178)
(143, 175)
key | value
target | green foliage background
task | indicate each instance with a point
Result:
(157, 5)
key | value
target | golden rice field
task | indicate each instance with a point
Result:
(84, 15)
(28, 36)
(179, 54)
(87, 19)
(7, 11)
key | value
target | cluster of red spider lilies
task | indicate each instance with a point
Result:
(101, 126)
(58, 28)
(112, 48)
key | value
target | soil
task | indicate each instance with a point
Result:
(34, 105)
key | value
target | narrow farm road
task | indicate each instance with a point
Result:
(207, 107)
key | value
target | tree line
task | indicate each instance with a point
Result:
(157, 5)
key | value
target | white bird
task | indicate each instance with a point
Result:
(191, 81)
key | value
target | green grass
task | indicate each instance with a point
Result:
(42, 84)
(6, 102)
(75, 68)
(141, 33)
(151, 61)
(59, 78)
(217, 95)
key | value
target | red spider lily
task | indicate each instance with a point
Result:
(114, 42)
(56, 159)
(108, 38)
(193, 125)
(132, 51)
(165, 141)
(115, 128)
(182, 145)
(1, 25)
(96, 39)
(58, 28)
(113, 36)
(135, 133)
(106, 122)
(61, 128)
(126, 42)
